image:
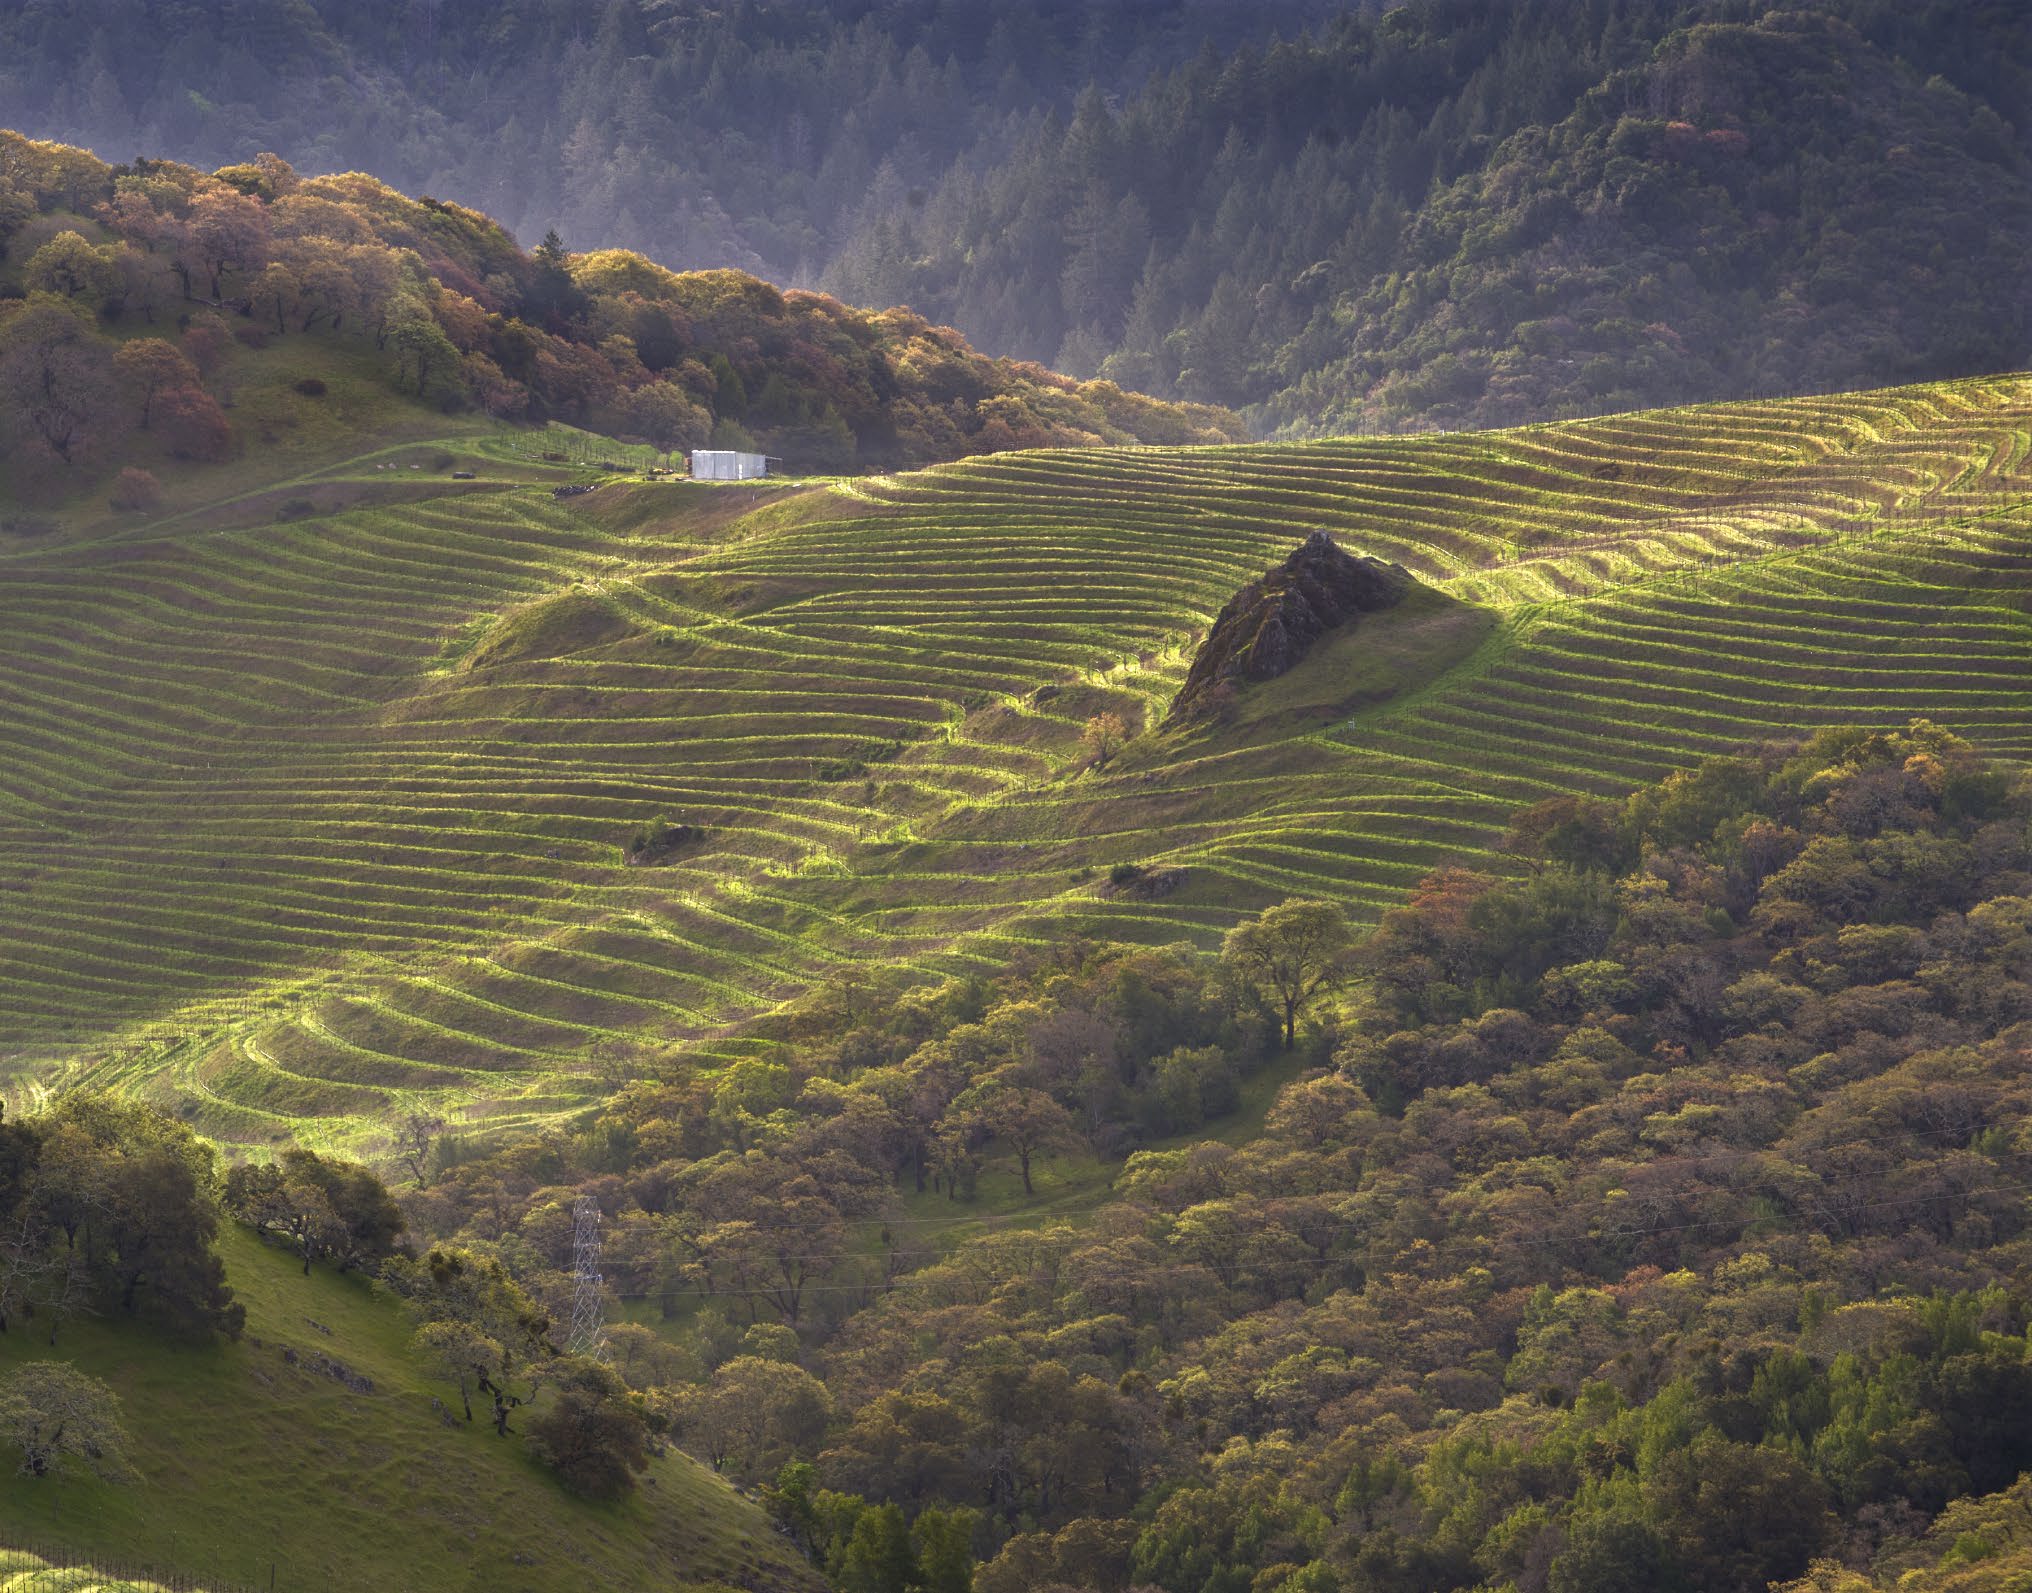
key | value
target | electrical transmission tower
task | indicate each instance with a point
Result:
(588, 1334)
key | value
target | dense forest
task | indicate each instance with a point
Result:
(125, 290)
(1459, 212)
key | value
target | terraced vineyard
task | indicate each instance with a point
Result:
(303, 822)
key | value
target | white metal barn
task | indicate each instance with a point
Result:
(719, 464)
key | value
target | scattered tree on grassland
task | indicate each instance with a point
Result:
(58, 397)
(328, 1209)
(71, 268)
(56, 1415)
(451, 1285)
(1028, 1121)
(1102, 737)
(590, 1432)
(133, 1197)
(461, 1354)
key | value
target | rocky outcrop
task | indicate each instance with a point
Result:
(1268, 626)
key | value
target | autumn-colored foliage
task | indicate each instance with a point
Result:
(1648, 1215)
(463, 318)
(135, 489)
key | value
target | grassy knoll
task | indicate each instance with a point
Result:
(304, 821)
(254, 1465)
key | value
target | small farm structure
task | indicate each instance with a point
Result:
(719, 464)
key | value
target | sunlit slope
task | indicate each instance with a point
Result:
(260, 1467)
(304, 821)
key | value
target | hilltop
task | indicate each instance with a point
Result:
(134, 301)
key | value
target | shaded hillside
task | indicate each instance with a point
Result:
(751, 136)
(1484, 214)
(127, 289)
(1768, 207)
(1450, 212)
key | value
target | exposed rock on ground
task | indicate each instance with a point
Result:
(1268, 626)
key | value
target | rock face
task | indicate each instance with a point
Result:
(1268, 626)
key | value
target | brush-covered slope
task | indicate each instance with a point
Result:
(260, 1465)
(303, 822)
(124, 291)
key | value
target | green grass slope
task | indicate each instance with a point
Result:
(303, 822)
(260, 1468)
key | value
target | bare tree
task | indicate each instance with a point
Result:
(1103, 737)
(416, 1138)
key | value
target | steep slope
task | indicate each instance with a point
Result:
(302, 822)
(261, 1467)
(1500, 211)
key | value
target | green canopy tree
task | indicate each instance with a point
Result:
(55, 1415)
(1292, 954)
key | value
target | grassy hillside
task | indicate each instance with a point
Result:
(259, 1467)
(301, 821)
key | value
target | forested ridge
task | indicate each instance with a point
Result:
(1459, 212)
(127, 291)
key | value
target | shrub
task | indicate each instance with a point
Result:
(251, 336)
(1125, 874)
(442, 460)
(193, 426)
(135, 489)
(659, 839)
(296, 509)
(591, 1434)
(311, 387)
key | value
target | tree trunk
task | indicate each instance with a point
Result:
(1023, 1157)
(1290, 1021)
